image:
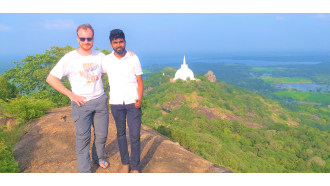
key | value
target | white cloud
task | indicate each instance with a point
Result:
(281, 18)
(59, 24)
(321, 16)
(4, 28)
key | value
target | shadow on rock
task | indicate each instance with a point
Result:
(26, 148)
(152, 149)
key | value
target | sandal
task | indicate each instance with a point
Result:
(103, 164)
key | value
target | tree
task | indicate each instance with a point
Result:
(29, 75)
(106, 51)
(7, 90)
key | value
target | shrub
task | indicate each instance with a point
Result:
(7, 161)
(56, 97)
(25, 108)
(165, 131)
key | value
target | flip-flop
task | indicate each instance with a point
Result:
(103, 163)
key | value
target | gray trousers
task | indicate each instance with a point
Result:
(95, 112)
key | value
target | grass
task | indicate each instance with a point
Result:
(8, 139)
(12, 135)
(305, 96)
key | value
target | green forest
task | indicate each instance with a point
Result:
(240, 122)
(210, 119)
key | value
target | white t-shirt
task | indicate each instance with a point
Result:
(122, 77)
(83, 72)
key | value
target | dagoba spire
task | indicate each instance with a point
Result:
(184, 60)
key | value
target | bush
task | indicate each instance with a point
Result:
(165, 131)
(25, 108)
(56, 97)
(7, 90)
(7, 161)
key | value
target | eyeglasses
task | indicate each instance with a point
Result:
(82, 39)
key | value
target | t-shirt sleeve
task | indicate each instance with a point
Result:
(138, 69)
(60, 69)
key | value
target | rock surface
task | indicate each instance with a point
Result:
(210, 76)
(48, 146)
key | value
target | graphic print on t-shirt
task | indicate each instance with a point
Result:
(90, 72)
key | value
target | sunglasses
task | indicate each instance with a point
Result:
(82, 39)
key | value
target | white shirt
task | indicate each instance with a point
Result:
(122, 77)
(83, 72)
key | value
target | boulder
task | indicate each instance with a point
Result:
(210, 76)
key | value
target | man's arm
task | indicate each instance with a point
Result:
(138, 102)
(57, 84)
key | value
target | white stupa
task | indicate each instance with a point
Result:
(184, 72)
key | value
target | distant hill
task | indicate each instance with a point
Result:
(233, 127)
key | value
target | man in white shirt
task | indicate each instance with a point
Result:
(126, 91)
(83, 67)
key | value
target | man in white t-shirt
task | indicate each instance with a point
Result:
(126, 90)
(83, 67)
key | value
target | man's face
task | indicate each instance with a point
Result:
(118, 45)
(84, 35)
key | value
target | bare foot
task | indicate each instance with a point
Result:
(124, 169)
(135, 171)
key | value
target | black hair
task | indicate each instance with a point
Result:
(116, 33)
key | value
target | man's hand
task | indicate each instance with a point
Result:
(56, 83)
(138, 103)
(131, 53)
(79, 100)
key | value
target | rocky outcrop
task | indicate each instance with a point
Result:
(210, 76)
(49, 146)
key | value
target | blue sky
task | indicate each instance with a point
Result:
(28, 34)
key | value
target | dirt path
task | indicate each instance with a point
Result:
(49, 147)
